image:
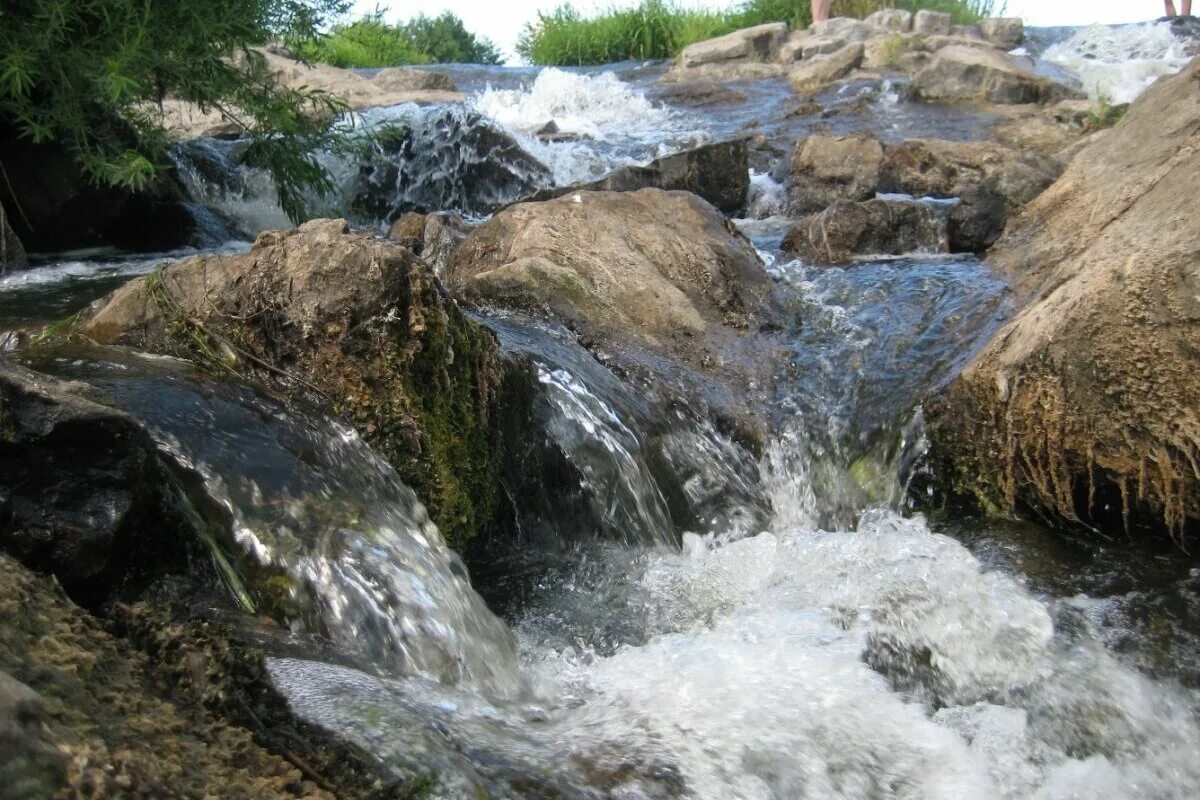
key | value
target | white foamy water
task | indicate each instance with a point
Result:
(1120, 62)
(617, 124)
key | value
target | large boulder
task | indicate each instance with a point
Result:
(749, 44)
(877, 227)
(12, 252)
(820, 71)
(356, 321)
(633, 272)
(944, 168)
(718, 172)
(1083, 409)
(963, 73)
(826, 168)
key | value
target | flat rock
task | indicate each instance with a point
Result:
(411, 79)
(723, 72)
(699, 94)
(891, 20)
(960, 73)
(749, 44)
(812, 74)
(847, 29)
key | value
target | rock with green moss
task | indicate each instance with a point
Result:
(350, 320)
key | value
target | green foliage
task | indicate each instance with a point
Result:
(1105, 114)
(88, 74)
(371, 42)
(658, 29)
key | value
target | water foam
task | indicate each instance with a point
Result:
(1120, 62)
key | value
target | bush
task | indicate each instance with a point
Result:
(657, 29)
(371, 42)
(87, 74)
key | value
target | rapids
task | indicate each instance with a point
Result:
(798, 632)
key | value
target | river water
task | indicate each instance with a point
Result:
(798, 632)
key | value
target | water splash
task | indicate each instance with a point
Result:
(1120, 62)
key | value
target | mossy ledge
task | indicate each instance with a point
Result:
(354, 322)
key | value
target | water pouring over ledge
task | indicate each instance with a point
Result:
(838, 650)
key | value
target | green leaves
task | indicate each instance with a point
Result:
(89, 73)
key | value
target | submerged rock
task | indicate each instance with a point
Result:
(961, 73)
(648, 271)
(876, 227)
(83, 495)
(359, 323)
(718, 172)
(699, 94)
(1083, 408)
(826, 168)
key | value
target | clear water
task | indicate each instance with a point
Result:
(798, 635)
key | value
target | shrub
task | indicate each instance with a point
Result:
(371, 42)
(87, 74)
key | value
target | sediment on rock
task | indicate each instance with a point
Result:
(354, 322)
(1082, 410)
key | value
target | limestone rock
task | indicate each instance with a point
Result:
(847, 29)
(362, 321)
(977, 74)
(943, 168)
(1004, 32)
(891, 20)
(875, 227)
(749, 44)
(630, 272)
(725, 71)
(1082, 409)
(820, 71)
(718, 173)
(932, 22)
(699, 94)
(827, 168)
(888, 52)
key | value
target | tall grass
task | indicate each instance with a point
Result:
(371, 42)
(659, 29)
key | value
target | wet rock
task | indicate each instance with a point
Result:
(434, 237)
(53, 206)
(813, 74)
(942, 168)
(875, 227)
(1082, 410)
(12, 252)
(699, 94)
(84, 496)
(409, 79)
(891, 20)
(353, 321)
(645, 271)
(409, 231)
(825, 169)
(749, 44)
(550, 132)
(932, 22)
(718, 173)
(977, 220)
(1004, 32)
(961, 73)
(452, 158)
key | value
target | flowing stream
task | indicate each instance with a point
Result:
(732, 627)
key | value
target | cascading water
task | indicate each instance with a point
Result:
(1118, 63)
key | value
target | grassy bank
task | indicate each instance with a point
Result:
(658, 29)
(371, 42)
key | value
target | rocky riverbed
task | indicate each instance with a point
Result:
(809, 417)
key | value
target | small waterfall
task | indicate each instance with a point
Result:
(1120, 62)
